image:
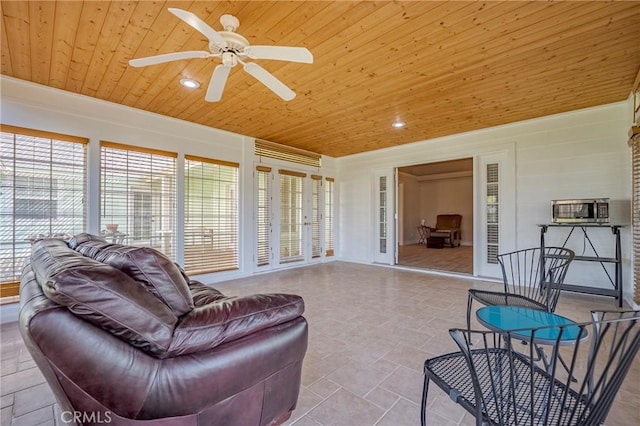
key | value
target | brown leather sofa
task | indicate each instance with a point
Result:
(123, 336)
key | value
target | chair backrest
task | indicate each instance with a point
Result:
(448, 221)
(526, 273)
(579, 385)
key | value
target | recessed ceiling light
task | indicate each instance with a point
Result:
(190, 83)
(398, 124)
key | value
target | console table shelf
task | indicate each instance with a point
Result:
(616, 280)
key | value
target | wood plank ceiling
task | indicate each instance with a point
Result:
(442, 67)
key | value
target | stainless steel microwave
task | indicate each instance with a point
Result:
(586, 210)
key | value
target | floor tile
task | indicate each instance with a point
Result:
(324, 388)
(306, 421)
(306, 401)
(32, 398)
(345, 408)
(403, 413)
(21, 380)
(5, 415)
(8, 365)
(36, 417)
(359, 379)
(405, 382)
(6, 400)
(382, 398)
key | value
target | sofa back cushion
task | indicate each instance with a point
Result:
(103, 295)
(78, 239)
(153, 269)
(225, 319)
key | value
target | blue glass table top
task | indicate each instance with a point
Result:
(508, 318)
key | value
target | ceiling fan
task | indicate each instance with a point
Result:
(233, 49)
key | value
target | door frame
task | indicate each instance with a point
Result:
(275, 216)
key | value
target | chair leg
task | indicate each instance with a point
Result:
(425, 391)
(469, 303)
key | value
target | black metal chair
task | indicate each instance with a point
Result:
(502, 386)
(530, 281)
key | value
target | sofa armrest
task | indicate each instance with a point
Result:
(228, 319)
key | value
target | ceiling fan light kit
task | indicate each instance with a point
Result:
(232, 49)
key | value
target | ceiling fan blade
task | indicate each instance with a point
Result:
(280, 53)
(216, 85)
(168, 57)
(269, 80)
(197, 23)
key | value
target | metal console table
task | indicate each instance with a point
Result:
(616, 280)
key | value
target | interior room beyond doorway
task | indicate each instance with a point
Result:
(426, 192)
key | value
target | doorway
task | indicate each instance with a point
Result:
(424, 192)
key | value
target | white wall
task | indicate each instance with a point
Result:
(39, 107)
(577, 154)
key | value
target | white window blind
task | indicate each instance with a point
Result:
(138, 196)
(291, 216)
(328, 217)
(493, 204)
(263, 215)
(635, 215)
(42, 193)
(268, 149)
(316, 216)
(382, 212)
(211, 215)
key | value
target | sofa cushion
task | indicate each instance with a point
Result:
(103, 295)
(203, 294)
(153, 269)
(78, 239)
(224, 320)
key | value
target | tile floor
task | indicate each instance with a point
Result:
(370, 330)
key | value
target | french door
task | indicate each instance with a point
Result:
(289, 217)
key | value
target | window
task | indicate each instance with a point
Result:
(328, 217)
(291, 216)
(138, 196)
(36, 197)
(316, 216)
(635, 213)
(382, 212)
(493, 205)
(211, 215)
(42, 193)
(263, 215)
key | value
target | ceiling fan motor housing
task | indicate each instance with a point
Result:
(235, 42)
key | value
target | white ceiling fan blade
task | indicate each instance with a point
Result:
(168, 57)
(216, 85)
(269, 80)
(280, 53)
(197, 23)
